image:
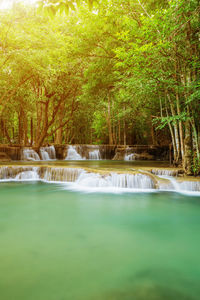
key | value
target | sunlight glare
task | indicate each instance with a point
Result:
(7, 4)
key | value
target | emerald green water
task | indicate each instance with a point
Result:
(57, 244)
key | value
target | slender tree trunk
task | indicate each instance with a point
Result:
(180, 127)
(119, 132)
(195, 135)
(171, 132)
(109, 122)
(31, 131)
(124, 123)
(176, 131)
(188, 149)
(59, 132)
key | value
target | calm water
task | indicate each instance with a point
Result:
(57, 244)
(96, 164)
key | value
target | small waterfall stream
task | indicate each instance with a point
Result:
(72, 154)
(46, 153)
(129, 156)
(83, 179)
(164, 172)
(95, 155)
(30, 155)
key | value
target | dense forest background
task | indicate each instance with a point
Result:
(107, 72)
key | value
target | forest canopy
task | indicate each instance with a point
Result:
(102, 72)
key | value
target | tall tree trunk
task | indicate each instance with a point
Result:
(176, 131)
(171, 132)
(180, 127)
(188, 149)
(110, 134)
(31, 132)
(124, 123)
(119, 132)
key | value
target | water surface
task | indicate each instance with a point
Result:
(56, 244)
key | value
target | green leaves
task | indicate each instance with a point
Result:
(164, 121)
(52, 7)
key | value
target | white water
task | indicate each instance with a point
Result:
(72, 154)
(164, 172)
(183, 187)
(44, 154)
(129, 156)
(95, 155)
(51, 151)
(59, 174)
(48, 153)
(27, 175)
(30, 155)
(130, 181)
(79, 179)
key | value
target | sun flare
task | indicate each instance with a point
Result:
(7, 4)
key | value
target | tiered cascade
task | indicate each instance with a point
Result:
(72, 154)
(30, 155)
(129, 156)
(87, 179)
(95, 155)
(46, 153)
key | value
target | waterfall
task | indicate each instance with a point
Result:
(80, 179)
(17, 173)
(28, 175)
(190, 186)
(60, 174)
(48, 153)
(44, 154)
(30, 155)
(129, 156)
(173, 184)
(164, 172)
(77, 175)
(72, 154)
(49, 174)
(114, 180)
(95, 155)
(137, 181)
(51, 151)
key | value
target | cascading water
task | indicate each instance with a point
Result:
(48, 153)
(190, 186)
(115, 180)
(59, 174)
(95, 155)
(85, 180)
(28, 175)
(72, 154)
(16, 173)
(129, 156)
(30, 155)
(51, 151)
(164, 172)
(184, 186)
(44, 154)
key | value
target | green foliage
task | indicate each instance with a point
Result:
(164, 121)
(113, 70)
(196, 166)
(52, 7)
